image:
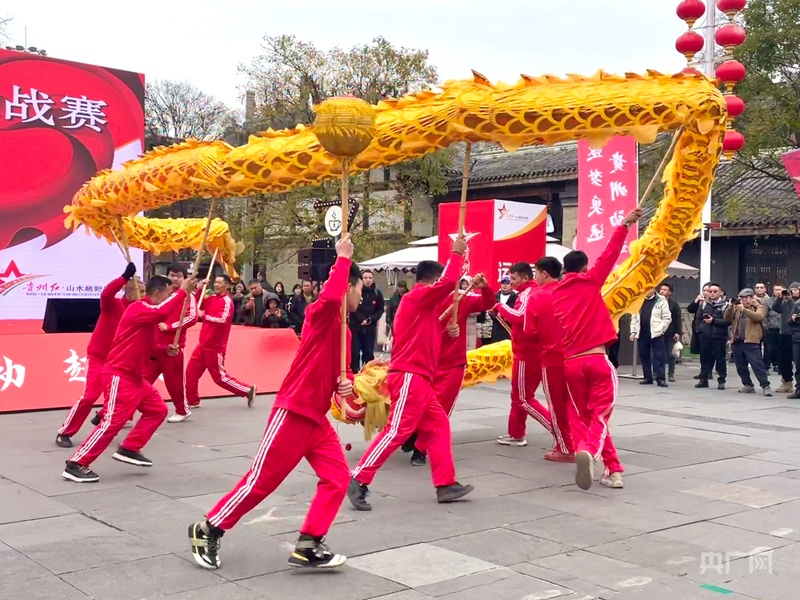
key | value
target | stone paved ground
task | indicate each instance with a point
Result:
(712, 478)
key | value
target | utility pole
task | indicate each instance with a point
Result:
(705, 238)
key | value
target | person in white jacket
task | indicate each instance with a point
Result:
(649, 326)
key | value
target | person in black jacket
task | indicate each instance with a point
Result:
(509, 297)
(783, 306)
(714, 338)
(794, 326)
(696, 308)
(364, 323)
(675, 329)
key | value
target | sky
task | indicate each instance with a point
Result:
(204, 41)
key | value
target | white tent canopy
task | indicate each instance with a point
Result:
(426, 249)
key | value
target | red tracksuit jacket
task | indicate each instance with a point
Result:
(111, 310)
(131, 346)
(523, 346)
(165, 338)
(542, 325)
(417, 331)
(216, 330)
(453, 352)
(314, 374)
(578, 303)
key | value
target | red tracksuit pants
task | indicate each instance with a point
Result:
(555, 390)
(525, 379)
(92, 390)
(171, 367)
(123, 398)
(214, 362)
(446, 386)
(290, 437)
(592, 386)
(414, 408)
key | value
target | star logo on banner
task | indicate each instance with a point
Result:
(12, 271)
(12, 277)
(503, 212)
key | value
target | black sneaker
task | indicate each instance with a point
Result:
(205, 544)
(451, 493)
(721, 386)
(96, 419)
(408, 445)
(793, 396)
(663, 383)
(357, 493)
(646, 382)
(251, 396)
(131, 457)
(79, 474)
(63, 441)
(701, 384)
(418, 459)
(311, 552)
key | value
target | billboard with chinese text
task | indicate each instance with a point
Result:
(608, 189)
(60, 123)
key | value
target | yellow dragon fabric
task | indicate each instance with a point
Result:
(536, 110)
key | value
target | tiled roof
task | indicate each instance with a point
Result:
(491, 164)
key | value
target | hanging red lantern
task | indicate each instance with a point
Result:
(732, 143)
(731, 7)
(735, 105)
(730, 73)
(689, 44)
(690, 11)
(729, 36)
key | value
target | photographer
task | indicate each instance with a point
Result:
(713, 330)
(783, 305)
(794, 325)
(275, 316)
(746, 316)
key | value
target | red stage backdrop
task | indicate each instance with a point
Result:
(499, 233)
(791, 160)
(608, 189)
(39, 371)
(60, 123)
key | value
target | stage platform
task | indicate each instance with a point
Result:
(48, 370)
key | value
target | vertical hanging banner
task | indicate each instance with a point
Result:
(608, 189)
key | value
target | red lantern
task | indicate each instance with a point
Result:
(731, 7)
(689, 44)
(730, 73)
(691, 10)
(735, 105)
(732, 143)
(729, 36)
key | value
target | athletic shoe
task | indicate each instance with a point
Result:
(507, 440)
(793, 396)
(721, 386)
(193, 406)
(450, 493)
(79, 474)
(584, 474)
(251, 396)
(131, 457)
(559, 457)
(358, 493)
(747, 389)
(767, 392)
(205, 544)
(786, 387)
(312, 553)
(646, 382)
(418, 459)
(96, 419)
(701, 384)
(613, 481)
(63, 441)
(176, 418)
(671, 378)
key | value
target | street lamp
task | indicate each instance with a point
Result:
(730, 72)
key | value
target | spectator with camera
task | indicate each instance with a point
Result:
(254, 305)
(783, 305)
(275, 316)
(713, 334)
(746, 316)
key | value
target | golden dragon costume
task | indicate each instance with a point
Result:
(536, 110)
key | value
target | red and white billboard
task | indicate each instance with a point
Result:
(499, 233)
(60, 123)
(608, 189)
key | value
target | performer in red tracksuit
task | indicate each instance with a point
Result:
(166, 359)
(412, 370)
(298, 428)
(111, 309)
(123, 386)
(591, 378)
(217, 314)
(453, 355)
(542, 326)
(527, 369)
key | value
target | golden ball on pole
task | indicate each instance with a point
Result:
(344, 125)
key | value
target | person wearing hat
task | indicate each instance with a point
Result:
(506, 296)
(746, 316)
(783, 305)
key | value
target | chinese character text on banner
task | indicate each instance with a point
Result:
(608, 189)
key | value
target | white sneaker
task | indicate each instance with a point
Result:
(613, 481)
(584, 474)
(507, 440)
(176, 418)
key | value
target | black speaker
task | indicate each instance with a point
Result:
(71, 315)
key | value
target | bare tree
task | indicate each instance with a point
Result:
(179, 110)
(4, 21)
